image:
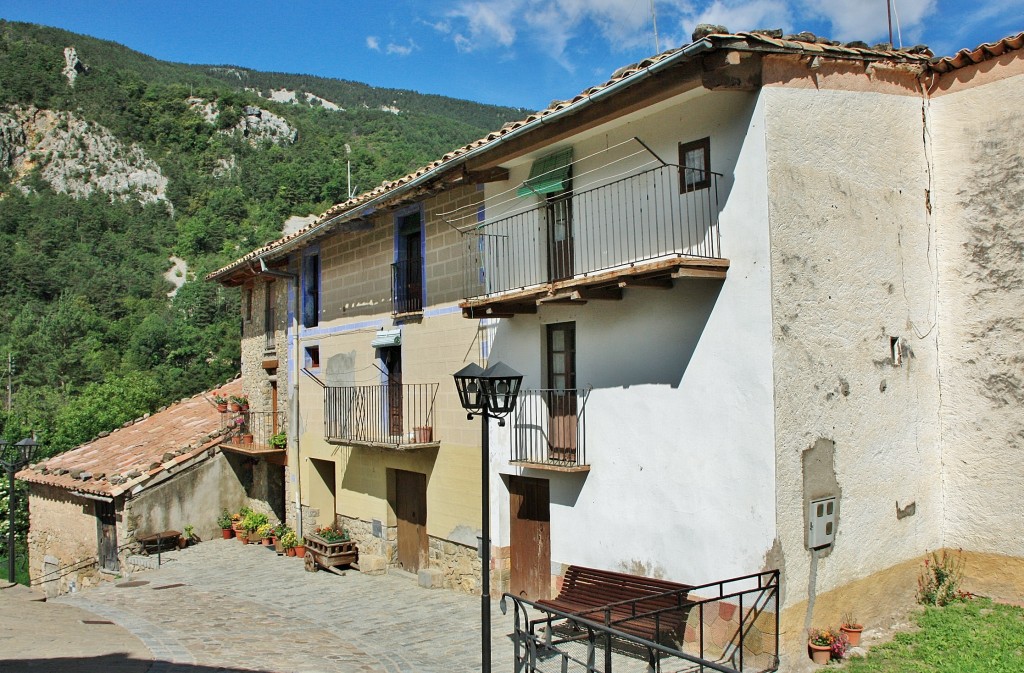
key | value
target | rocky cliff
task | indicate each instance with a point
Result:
(75, 157)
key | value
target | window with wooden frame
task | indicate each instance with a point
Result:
(311, 288)
(694, 165)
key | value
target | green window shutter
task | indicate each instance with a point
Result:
(548, 174)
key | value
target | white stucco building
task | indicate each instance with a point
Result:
(742, 277)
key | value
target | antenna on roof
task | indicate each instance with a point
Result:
(348, 164)
(654, 20)
(890, 7)
(888, 10)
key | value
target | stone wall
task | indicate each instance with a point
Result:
(460, 566)
(63, 541)
(194, 497)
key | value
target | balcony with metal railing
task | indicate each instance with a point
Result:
(548, 430)
(407, 286)
(255, 433)
(394, 416)
(646, 229)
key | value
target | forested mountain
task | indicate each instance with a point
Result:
(112, 161)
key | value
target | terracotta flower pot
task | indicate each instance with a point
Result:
(235, 406)
(290, 551)
(227, 533)
(222, 407)
(300, 550)
(820, 654)
(852, 632)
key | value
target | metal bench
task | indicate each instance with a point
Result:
(645, 607)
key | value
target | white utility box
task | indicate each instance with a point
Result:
(821, 518)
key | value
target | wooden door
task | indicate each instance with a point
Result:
(561, 384)
(106, 533)
(530, 532)
(275, 425)
(560, 237)
(393, 365)
(411, 512)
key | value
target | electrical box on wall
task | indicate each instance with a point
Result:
(821, 523)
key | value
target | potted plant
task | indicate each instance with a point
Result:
(221, 401)
(275, 538)
(224, 521)
(852, 629)
(290, 541)
(236, 521)
(278, 441)
(825, 644)
(190, 534)
(300, 548)
(252, 522)
(264, 533)
(239, 403)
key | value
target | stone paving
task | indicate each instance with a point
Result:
(244, 608)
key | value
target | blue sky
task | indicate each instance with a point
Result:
(512, 52)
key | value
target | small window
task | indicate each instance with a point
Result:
(311, 290)
(312, 357)
(248, 304)
(694, 165)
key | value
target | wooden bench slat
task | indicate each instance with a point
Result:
(627, 600)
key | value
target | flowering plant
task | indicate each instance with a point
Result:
(831, 638)
(939, 581)
(218, 398)
(331, 534)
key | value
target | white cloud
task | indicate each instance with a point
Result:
(486, 23)
(741, 16)
(868, 21)
(373, 42)
(402, 49)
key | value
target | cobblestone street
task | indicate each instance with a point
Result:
(224, 606)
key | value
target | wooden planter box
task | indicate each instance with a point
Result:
(320, 552)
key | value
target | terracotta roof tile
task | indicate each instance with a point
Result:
(984, 52)
(122, 459)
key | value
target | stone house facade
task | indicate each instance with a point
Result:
(88, 507)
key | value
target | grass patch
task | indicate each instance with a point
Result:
(20, 570)
(978, 636)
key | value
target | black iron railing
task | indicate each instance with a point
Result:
(253, 428)
(729, 626)
(407, 285)
(385, 414)
(640, 218)
(549, 427)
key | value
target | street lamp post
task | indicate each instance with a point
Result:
(12, 461)
(488, 393)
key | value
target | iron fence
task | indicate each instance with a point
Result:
(407, 285)
(385, 414)
(549, 427)
(639, 218)
(729, 626)
(254, 428)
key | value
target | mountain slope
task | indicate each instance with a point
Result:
(112, 161)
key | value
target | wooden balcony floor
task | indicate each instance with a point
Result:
(601, 285)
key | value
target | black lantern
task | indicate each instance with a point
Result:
(12, 461)
(467, 382)
(500, 385)
(490, 392)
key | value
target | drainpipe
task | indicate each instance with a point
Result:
(293, 390)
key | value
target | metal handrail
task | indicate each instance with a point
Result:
(254, 428)
(532, 649)
(642, 217)
(407, 285)
(383, 414)
(549, 427)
